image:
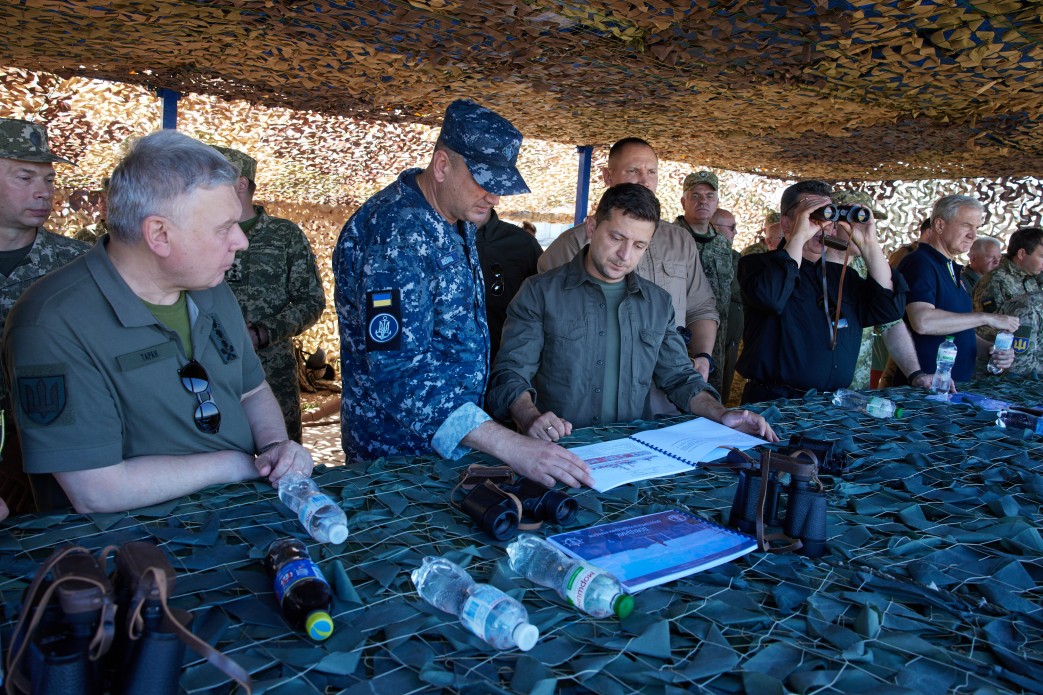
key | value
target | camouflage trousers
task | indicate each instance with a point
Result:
(280, 368)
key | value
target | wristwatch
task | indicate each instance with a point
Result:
(713, 367)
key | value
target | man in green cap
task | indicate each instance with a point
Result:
(278, 287)
(27, 250)
(699, 202)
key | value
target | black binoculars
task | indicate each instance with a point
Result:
(830, 461)
(759, 496)
(80, 632)
(842, 213)
(501, 503)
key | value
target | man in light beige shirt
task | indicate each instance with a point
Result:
(671, 261)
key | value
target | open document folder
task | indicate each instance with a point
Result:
(655, 453)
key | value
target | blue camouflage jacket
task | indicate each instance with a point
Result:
(414, 340)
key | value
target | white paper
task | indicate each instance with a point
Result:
(622, 461)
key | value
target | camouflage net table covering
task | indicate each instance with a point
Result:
(933, 584)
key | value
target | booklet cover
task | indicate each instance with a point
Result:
(655, 453)
(656, 548)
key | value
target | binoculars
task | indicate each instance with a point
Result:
(759, 497)
(80, 632)
(842, 213)
(501, 504)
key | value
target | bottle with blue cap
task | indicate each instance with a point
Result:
(303, 594)
(483, 609)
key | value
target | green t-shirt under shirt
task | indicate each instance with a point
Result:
(614, 293)
(175, 317)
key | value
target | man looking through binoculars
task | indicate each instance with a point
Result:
(791, 295)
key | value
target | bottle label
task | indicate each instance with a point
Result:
(1004, 340)
(293, 572)
(479, 605)
(311, 506)
(946, 355)
(879, 407)
(578, 582)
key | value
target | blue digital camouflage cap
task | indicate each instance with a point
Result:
(26, 142)
(488, 143)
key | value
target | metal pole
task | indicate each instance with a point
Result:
(170, 99)
(586, 156)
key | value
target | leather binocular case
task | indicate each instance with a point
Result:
(758, 503)
(79, 632)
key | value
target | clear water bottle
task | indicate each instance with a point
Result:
(1015, 419)
(943, 366)
(592, 590)
(483, 609)
(1004, 341)
(323, 518)
(871, 405)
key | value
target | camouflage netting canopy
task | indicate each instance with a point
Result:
(902, 89)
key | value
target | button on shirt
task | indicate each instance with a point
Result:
(786, 333)
(554, 347)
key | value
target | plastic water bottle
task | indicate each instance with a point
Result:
(1015, 419)
(871, 405)
(592, 590)
(1004, 341)
(323, 518)
(483, 609)
(943, 366)
(302, 592)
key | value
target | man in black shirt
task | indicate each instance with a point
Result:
(793, 337)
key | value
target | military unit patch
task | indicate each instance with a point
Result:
(383, 320)
(42, 397)
(220, 340)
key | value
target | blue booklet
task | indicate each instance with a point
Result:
(656, 548)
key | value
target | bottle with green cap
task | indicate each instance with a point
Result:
(876, 406)
(302, 592)
(589, 588)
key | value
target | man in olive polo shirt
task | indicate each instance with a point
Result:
(133, 378)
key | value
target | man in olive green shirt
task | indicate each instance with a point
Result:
(583, 343)
(133, 378)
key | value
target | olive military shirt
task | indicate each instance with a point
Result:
(554, 347)
(95, 375)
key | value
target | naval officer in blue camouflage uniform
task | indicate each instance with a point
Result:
(411, 307)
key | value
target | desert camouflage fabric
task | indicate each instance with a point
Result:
(50, 251)
(277, 284)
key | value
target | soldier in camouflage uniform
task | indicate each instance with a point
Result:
(411, 308)
(1004, 289)
(27, 250)
(699, 201)
(276, 281)
(771, 235)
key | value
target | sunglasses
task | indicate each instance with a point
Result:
(497, 287)
(196, 381)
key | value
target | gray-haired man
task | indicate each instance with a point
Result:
(134, 380)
